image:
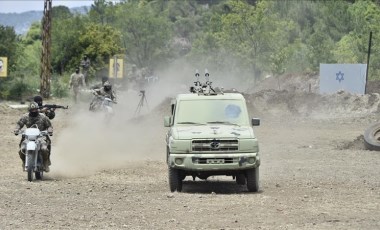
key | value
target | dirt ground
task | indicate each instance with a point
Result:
(315, 172)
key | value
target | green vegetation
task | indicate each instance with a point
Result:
(249, 39)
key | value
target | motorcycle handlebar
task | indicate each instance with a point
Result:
(43, 133)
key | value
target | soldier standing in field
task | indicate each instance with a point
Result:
(77, 81)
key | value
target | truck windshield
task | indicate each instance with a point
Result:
(228, 111)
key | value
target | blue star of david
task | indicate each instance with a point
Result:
(340, 76)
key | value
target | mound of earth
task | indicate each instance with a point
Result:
(291, 82)
(298, 95)
(340, 104)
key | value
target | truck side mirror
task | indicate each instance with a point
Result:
(255, 121)
(167, 121)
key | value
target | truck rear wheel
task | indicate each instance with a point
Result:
(253, 179)
(175, 180)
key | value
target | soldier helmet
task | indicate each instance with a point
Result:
(33, 106)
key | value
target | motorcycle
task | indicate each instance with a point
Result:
(31, 148)
(103, 104)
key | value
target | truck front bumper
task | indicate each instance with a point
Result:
(214, 162)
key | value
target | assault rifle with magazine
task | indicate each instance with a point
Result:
(48, 109)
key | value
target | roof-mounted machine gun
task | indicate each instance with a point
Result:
(202, 88)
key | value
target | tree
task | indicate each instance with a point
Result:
(145, 34)
(66, 50)
(102, 12)
(61, 12)
(29, 59)
(352, 46)
(100, 42)
(248, 35)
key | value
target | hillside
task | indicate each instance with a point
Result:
(22, 21)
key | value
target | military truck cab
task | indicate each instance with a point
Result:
(210, 133)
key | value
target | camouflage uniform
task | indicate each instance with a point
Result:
(43, 123)
(76, 82)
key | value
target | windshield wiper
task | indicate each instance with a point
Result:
(190, 123)
(222, 122)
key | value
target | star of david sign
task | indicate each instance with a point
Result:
(339, 76)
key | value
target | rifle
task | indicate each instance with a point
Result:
(53, 106)
(49, 109)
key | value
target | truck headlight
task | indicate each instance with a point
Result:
(179, 146)
(249, 145)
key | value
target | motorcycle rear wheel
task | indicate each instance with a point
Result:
(39, 175)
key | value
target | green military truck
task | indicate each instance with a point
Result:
(211, 134)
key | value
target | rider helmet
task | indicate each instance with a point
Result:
(107, 86)
(33, 106)
(33, 109)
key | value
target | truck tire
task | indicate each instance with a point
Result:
(372, 137)
(175, 180)
(240, 179)
(253, 179)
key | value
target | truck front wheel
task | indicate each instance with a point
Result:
(253, 179)
(175, 180)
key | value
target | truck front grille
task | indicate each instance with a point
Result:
(215, 145)
(215, 160)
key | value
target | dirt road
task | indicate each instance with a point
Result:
(314, 175)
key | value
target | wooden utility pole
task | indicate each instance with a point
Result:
(45, 73)
(369, 55)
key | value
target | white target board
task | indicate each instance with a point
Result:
(348, 77)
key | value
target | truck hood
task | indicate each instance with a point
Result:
(212, 131)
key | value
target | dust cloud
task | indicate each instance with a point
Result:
(88, 143)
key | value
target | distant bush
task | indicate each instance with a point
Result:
(59, 88)
(15, 89)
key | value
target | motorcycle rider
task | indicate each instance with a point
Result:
(43, 123)
(105, 91)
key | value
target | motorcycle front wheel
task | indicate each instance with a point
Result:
(30, 164)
